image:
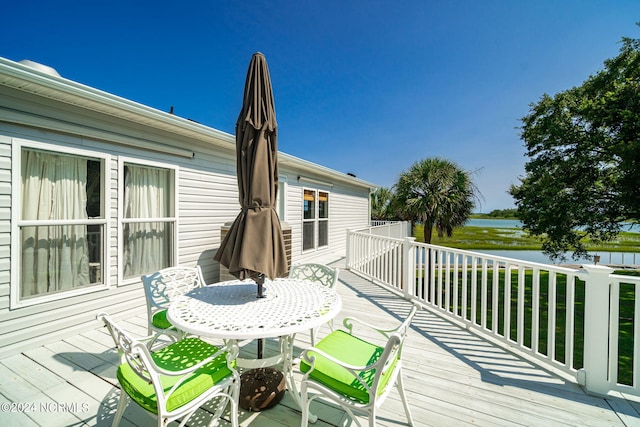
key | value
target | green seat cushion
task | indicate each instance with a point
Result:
(350, 350)
(175, 357)
(160, 320)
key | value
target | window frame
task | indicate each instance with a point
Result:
(174, 208)
(316, 220)
(17, 145)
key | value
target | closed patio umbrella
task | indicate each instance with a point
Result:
(254, 246)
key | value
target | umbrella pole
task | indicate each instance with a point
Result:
(260, 283)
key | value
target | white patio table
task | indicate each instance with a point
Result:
(231, 311)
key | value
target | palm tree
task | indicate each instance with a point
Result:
(380, 204)
(437, 193)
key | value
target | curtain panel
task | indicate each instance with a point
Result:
(54, 257)
(146, 245)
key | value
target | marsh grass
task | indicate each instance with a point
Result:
(472, 238)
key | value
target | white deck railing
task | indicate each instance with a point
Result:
(549, 313)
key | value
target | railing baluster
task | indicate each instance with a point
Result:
(551, 317)
(456, 272)
(636, 336)
(495, 294)
(570, 324)
(465, 272)
(447, 282)
(535, 311)
(474, 290)
(521, 312)
(484, 294)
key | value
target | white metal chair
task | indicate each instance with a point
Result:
(356, 374)
(160, 288)
(176, 380)
(320, 273)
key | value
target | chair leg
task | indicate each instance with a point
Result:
(304, 405)
(122, 404)
(403, 396)
(233, 405)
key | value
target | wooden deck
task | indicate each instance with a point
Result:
(452, 378)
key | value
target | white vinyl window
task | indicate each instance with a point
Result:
(315, 221)
(147, 218)
(59, 222)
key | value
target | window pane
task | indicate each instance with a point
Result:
(323, 231)
(95, 242)
(323, 205)
(309, 204)
(94, 189)
(147, 247)
(308, 241)
(146, 192)
(54, 259)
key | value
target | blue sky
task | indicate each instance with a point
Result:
(367, 87)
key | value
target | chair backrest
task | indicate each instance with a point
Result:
(164, 285)
(315, 272)
(390, 358)
(131, 351)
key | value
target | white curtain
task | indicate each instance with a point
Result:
(54, 258)
(146, 244)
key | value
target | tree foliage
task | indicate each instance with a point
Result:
(381, 204)
(437, 193)
(503, 213)
(582, 178)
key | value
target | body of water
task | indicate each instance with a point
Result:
(613, 258)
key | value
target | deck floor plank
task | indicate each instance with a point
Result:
(452, 378)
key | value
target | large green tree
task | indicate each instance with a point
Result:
(582, 179)
(437, 193)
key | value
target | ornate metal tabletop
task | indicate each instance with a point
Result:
(230, 310)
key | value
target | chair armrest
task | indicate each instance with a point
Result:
(310, 359)
(349, 323)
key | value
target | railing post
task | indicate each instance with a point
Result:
(595, 374)
(408, 267)
(348, 250)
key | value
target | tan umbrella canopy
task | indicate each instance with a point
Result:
(254, 246)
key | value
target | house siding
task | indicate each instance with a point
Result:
(207, 199)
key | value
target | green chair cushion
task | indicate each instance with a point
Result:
(160, 320)
(175, 357)
(351, 350)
